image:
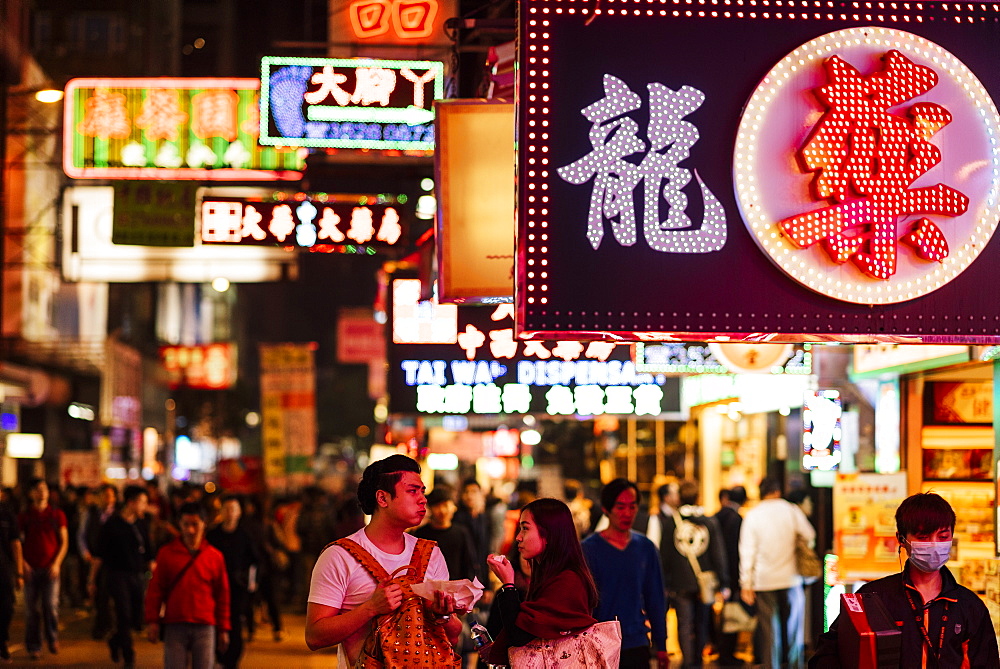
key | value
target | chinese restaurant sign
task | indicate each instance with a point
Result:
(488, 371)
(200, 129)
(303, 222)
(402, 22)
(850, 195)
(203, 367)
(357, 103)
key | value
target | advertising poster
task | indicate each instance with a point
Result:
(288, 403)
(864, 524)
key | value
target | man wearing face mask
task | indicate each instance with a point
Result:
(943, 623)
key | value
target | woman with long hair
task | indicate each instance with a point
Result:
(561, 593)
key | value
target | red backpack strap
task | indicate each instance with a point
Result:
(367, 560)
(421, 558)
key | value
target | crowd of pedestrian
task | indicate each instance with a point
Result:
(197, 570)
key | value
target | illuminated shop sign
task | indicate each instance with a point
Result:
(487, 371)
(821, 430)
(723, 358)
(200, 129)
(206, 366)
(349, 103)
(403, 21)
(303, 222)
(850, 195)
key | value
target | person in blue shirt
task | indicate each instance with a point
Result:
(626, 569)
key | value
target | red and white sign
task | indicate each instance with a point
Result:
(896, 191)
(207, 366)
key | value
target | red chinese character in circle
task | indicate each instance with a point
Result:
(865, 158)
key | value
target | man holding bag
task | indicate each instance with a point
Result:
(367, 578)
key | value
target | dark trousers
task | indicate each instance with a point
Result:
(635, 658)
(238, 601)
(693, 621)
(102, 605)
(126, 590)
(6, 607)
(266, 581)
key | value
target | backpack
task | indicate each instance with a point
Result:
(406, 637)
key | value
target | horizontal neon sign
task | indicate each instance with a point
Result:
(349, 103)
(305, 223)
(193, 129)
(558, 400)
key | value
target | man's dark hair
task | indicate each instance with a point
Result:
(768, 486)
(231, 497)
(688, 493)
(440, 495)
(664, 490)
(471, 481)
(35, 482)
(191, 509)
(738, 495)
(924, 513)
(132, 492)
(571, 488)
(611, 492)
(383, 475)
(798, 496)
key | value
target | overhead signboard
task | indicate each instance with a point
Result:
(203, 367)
(87, 220)
(154, 213)
(170, 128)
(487, 371)
(849, 195)
(700, 358)
(405, 23)
(475, 191)
(304, 222)
(352, 103)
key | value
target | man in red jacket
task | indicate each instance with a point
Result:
(191, 589)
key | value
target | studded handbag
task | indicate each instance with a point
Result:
(406, 637)
(596, 647)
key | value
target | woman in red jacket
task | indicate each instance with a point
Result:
(561, 593)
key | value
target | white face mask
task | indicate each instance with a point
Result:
(929, 556)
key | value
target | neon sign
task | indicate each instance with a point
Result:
(676, 358)
(409, 19)
(301, 222)
(194, 129)
(821, 413)
(898, 111)
(486, 371)
(864, 167)
(349, 103)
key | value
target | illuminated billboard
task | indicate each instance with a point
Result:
(487, 371)
(304, 222)
(835, 179)
(359, 103)
(170, 128)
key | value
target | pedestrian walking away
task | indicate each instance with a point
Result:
(122, 554)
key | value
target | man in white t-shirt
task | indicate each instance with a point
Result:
(343, 597)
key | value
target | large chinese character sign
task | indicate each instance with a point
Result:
(665, 192)
(195, 129)
(901, 155)
(349, 103)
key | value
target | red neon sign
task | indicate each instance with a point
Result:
(409, 19)
(865, 158)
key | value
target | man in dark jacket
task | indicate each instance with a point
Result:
(691, 544)
(730, 520)
(956, 630)
(122, 554)
(241, 557)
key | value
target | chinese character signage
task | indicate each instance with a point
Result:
(698, 358)
(400, 22)
(199, 129)
(357, 103)
(303, 222)
(488, 371)
(203, 367)
(849, 195)
(864, 524)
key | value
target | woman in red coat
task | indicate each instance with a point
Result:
(561, 593)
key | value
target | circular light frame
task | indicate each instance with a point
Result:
(771, 186)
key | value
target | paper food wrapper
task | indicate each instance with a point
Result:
(465, 592)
